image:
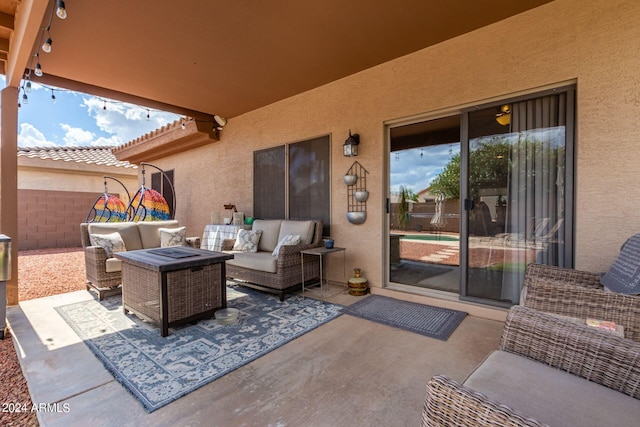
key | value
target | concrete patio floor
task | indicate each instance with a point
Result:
(349, 371)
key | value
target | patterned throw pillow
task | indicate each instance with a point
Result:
(173, 237)
(247, 241)
(289, 239)
(111, 243)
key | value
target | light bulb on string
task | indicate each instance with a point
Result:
(38, 70)
(27, 87)
(46, 46)
(25, 99)
(53, 96)
(104, 106)
(148, 115)
(61, 11)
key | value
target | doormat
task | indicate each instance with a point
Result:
(434, 322)
(159, 370)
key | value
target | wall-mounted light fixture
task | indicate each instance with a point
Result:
(350, 147)
(504, 116)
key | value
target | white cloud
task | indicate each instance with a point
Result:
(30, 136)
(76, 136)
(125, 121)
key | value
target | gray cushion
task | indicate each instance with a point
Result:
(127, 230)
(261, 261)
(172, 237)
(549, 395)
(624, 275)
(302, 228)
(270, 232)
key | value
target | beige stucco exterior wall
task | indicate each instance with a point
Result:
(594, 43)
(47, 174)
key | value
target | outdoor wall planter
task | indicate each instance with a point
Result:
(357, 193)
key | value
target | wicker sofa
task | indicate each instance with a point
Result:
(579, 294)
(104, 272)
(547, 371)
(276, 274)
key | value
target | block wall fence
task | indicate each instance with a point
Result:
(51, 219)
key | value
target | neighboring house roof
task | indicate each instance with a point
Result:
(99, 155)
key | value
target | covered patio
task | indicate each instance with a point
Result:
(329, 376)
(284, 72)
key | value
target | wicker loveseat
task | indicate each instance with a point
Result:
(279, 273)
(104, 272)
(579, 294)
(547, 371)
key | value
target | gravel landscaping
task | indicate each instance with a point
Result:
(41, 273)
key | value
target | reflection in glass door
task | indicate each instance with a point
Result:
(516, 196)
(424, 238)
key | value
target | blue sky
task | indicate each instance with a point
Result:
(80, 119)
(416, 167)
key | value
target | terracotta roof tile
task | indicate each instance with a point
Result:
(99, 155)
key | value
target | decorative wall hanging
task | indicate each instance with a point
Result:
(357, 194)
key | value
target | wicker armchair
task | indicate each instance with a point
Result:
(579, 294)
(561, 352)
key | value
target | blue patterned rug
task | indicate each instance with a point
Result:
(159, 370)
(434, 322)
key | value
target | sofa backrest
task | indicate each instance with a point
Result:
(270, 232)
(149, 234)
(127, 230)
(304, 229)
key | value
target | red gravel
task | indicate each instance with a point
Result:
(41, 273)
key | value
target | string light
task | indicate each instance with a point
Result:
(25, 99)
(61, 11)
(38, 70)
(53, 96)
(104, 107)
(27, 88)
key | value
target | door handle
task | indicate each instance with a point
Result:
(468, 204)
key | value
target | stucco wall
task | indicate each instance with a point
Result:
(594, 43)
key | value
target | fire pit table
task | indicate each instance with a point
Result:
(173, 286)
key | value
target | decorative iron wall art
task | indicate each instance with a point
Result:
(357, 194)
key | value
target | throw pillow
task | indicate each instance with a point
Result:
(173, 237)
(247, 241)
(111, 243)
(624, 275)
(289, 239)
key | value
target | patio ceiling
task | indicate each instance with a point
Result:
(205, 57)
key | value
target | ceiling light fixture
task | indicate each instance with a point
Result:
(504, 116)
(61, 11)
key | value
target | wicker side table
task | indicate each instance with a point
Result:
(171, 291)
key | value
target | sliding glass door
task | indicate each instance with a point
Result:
(476, 197)
(518, 193)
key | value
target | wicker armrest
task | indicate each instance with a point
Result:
(294, 250)
(95, 254)
(449, 404)
(575, 348)
(576, 301)
(565, 275)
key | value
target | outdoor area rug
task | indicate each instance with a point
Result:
(159, 370)
(434, 322)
